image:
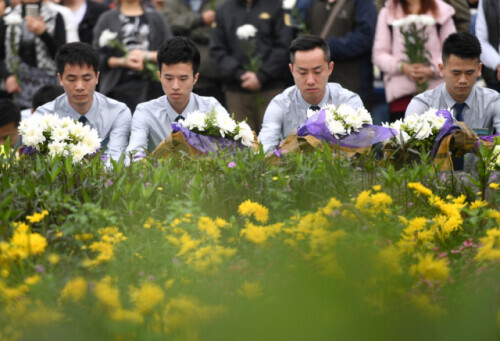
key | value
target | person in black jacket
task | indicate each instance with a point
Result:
(86, 13)
(249, 92)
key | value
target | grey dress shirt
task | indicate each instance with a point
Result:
(152, 121)
(109, 117)
(482, 106)
(288, 110)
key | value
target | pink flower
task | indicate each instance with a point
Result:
(231, 164)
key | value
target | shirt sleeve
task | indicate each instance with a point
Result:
(272, 126)
(416, 106)
(489, 56)
(118, 137)
(139, 134)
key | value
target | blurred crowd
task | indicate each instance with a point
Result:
(366, 50)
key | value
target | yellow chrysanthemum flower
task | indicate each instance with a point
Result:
(259, 212)
(491, 246)
(147, 297)
(420, 189)
(494, 185)
(250, 290)
(477, 204)
(107, 294)
(37, 217)
(430, 268)
(74, 290)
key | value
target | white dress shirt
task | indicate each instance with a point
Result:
(288, 110)
(152, 121)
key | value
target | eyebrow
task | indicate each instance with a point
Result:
(73, 75)
(170, 75)
(319, 67)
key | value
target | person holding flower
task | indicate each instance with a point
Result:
(311, 67)
(139, 33)
(178, 64)
(30, 41)
(410, 61)
(248, 47)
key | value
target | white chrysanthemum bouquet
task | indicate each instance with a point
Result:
(218, 124)
(420, 131)
(344, 119)
(50, 134)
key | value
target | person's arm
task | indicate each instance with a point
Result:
(382, 54)
(489, 56)
(225, 62)
(59, 39)
(416, 106)
(272, 126)
(118, 137)
(359, 41)
(273, 65)
(139, 135)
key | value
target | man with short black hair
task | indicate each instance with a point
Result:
(78, 72)
(477, 107)
(178, 63)
(10, 117)
(310, 66)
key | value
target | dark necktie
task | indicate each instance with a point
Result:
(178, 118)
(458, 162)
(459, 107)
(314, 108)
(83, 120)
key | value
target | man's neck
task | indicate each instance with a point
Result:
(83, 108)
(179, 109)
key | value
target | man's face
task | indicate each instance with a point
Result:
(460, 75)
(177, 81)
(310, 72)
(10, 129)
(79, 83)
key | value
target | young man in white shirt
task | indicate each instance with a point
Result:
(178, 63)
(78, 72)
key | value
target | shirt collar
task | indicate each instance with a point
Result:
(321, 103)
(450, 102)
(90, 115)
(172, 114)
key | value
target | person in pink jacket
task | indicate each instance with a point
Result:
(401, 77)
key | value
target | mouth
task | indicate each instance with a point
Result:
(80, 97)
(176, 95)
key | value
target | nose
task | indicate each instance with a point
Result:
(175, 84)
(79, 84)
(462, 78)
(310, 79)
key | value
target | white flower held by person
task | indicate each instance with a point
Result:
(289, 4)
(107, 37)
(246, 32)
(13, 19)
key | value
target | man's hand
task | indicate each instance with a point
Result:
(419, 73)
(11, 85)
(250, 81)
(37, 26)
(135, 60)
(208, 17)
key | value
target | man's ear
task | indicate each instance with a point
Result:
(60, 78)
(480, 70)
(441, 70)
(291, 67)
(97, 76)
(196, 78)
(330, 67)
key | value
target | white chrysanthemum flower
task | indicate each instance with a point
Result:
(399, 23)
(412, 19)
(336, 128)
(310, 112)
(77, 152)
(13, 19)
(245, 134)
(289, 4)
(427, 20)
(106, 37)
(58, 148)
(195, 119)
(60, 134)
(225, 123)
(365, 116)
(246, 32)
(33, 137)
